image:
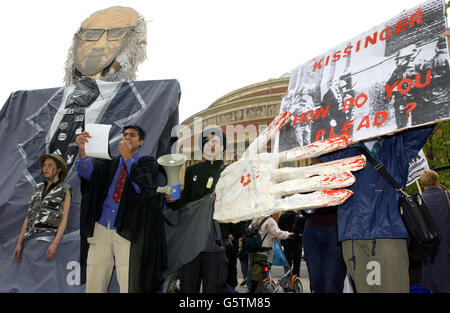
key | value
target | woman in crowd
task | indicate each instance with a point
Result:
(269, 231)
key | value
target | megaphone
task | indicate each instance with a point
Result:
(172, 164)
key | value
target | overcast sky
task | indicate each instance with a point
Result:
(211, 47)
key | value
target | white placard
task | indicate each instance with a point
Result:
(97, 146)
(416, 166)
(391, 78)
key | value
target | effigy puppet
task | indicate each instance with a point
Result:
(101, 88)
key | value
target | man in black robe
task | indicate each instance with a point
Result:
(120, 200)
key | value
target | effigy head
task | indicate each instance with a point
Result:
(109, 45)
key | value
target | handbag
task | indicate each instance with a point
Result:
(422, 229)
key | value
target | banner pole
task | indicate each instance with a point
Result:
(418, 186)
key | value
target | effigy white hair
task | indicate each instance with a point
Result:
(134, 53)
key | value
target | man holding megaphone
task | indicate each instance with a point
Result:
(200, 179)
(210, 265)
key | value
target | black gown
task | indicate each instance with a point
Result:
(139, 219)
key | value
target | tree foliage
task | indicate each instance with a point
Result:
(437, 152)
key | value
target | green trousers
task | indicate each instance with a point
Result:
(256, 268)
(379, 265)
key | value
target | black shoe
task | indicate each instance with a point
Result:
(254, 286)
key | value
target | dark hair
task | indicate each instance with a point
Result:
(213, 131)
(140, 131)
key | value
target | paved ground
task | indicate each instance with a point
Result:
(277, 272)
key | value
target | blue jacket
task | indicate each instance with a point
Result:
(436, 269)
(372, 211)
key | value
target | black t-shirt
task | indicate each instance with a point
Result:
(200, 180)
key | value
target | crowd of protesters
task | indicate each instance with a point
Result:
(336, 242)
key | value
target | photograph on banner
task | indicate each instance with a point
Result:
(392, 77)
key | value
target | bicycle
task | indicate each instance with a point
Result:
(289, 282)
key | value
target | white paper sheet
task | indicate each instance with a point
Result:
(97, 146)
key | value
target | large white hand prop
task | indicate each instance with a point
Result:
(254, 186)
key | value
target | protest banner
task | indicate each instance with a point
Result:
(392, 77)
(416, 166)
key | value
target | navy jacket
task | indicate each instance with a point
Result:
(372, 211)
(436, 269)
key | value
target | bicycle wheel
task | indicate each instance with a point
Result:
(298, 287)
(285, 284)
(268, 287)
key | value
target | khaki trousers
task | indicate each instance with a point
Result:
(106, 250)
(379, 265)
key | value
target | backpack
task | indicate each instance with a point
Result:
(252, 241)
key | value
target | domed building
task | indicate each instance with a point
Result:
(241, 114)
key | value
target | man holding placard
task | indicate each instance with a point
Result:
(399, 74)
